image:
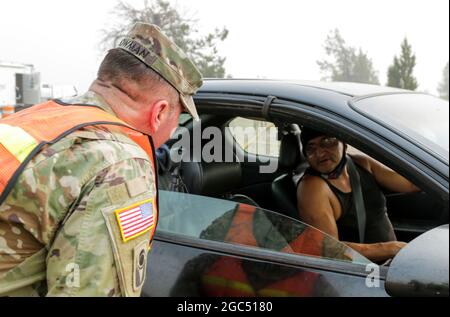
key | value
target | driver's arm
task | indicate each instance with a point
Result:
(386, 177)
(377, 252)
(315, 208)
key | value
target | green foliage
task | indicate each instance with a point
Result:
(347, 63)
(400, 73)
(177, 26)
(443, 85)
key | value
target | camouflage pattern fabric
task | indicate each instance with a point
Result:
(54, 237)
(156, 50)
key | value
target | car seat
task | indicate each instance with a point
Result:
(215, 179)
(284, 187)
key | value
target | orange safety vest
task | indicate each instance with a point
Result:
(227, 278)
(24, 134)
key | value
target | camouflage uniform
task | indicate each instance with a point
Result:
(67, 185)
(57, 231)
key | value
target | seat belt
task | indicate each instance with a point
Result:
(358, 201)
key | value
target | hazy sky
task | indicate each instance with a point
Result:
(268, 38)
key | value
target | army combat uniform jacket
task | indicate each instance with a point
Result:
(79, 219)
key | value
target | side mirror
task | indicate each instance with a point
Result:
(421, 268)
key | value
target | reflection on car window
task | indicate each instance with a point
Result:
(227, 221)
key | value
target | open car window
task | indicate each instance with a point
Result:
(230, 222)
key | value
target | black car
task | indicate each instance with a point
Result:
(210, 172)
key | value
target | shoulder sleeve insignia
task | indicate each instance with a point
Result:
(136, 219)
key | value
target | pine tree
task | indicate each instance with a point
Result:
(400, 73)
(347, 64)
(443, 85)
(181, 29)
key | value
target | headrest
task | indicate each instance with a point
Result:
(210, 179)
(290, 152)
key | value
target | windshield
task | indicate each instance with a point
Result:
(227, 221)
(423, 118)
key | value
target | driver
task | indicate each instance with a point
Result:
(325, 196)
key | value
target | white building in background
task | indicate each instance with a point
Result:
(50, 91)
(19, 84)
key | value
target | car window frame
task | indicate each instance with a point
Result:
(274, 257)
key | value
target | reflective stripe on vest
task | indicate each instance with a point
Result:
(227, 278)
(17, 141)
(25, 133)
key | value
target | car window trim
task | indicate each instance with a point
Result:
(304, 261)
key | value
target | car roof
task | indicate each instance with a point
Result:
(334, 96)
(247, 85)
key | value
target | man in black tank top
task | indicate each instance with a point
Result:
(325, 196)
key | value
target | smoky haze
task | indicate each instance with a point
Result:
(267, 39)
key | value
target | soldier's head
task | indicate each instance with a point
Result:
(323, 152)
(156, 76)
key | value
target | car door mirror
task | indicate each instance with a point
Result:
(421, 268)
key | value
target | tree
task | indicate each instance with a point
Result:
(181, 29)
(443, 85)
(348, 64)
(400, 73)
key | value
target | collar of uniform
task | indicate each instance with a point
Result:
(90, 98)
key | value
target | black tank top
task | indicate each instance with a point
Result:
(378, 225)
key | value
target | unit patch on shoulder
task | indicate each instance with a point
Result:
(136, 219)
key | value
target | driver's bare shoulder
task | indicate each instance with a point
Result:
(312, 183)
(314, 190)
(363, 161)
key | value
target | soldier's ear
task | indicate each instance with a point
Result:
(159, 110)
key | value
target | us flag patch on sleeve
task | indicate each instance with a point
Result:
(136, 219)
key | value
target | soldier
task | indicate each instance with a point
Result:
(78, 192)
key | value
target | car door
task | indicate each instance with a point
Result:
(212, 247)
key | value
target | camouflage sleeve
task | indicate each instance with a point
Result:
(89, 255)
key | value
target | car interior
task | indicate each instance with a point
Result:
(241, 180)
